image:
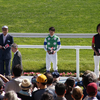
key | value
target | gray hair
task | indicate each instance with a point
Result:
(14, 45)
(11, 95)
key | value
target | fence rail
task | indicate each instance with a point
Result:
(63, 47)
(61, 35)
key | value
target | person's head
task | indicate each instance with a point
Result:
(89, 78)
(51, 31)
(14, 47)
(41, 81)
(47, 96)
(77, 93)
(25, 85)
(33, 81)
(5, 30)
(55, 76)
(49, 78)
(17, 70)
(85, 73)
(60, 89)
(98, 28)
(92, 89)
(11, 95)
(70, 83)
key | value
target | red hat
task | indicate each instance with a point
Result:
(91, 88)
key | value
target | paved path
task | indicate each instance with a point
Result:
(62, 79)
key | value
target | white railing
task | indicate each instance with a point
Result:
(63, 47)
(61, 35)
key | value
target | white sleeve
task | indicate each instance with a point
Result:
(58, 48)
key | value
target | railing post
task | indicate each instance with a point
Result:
(77, 63)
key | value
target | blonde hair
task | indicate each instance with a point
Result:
(77, 93)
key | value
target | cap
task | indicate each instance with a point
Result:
(55, 74)
(5, 27)
(42, 78)
(25, 85)
(91, 88)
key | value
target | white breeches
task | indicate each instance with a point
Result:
(51, 58)
(96, 62)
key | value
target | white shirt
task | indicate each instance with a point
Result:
(4, 38)
(15, 52)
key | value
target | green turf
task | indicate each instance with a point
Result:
(67, 16)
(34, 59)
(36, 16)
(64, 41)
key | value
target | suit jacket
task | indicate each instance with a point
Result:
(17, 59)
(6, 53)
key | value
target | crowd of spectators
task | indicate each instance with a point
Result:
(48, 87)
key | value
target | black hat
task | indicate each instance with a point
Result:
(55, 74)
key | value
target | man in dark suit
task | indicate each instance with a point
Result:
(17, 55)
(5, 50)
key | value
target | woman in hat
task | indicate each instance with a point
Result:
(25, 94)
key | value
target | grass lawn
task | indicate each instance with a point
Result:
(34, 59)
(67, 16)
(36, 16)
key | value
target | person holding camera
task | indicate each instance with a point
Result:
(5, 50)
(51, 45)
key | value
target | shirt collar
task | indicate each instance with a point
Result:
(51, 36)
(5, 35)
(15, 52)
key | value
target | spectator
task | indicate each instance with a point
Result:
(17, 55)
(47, 96)
(92, 91)
(25, 94)
(77, 93)
(14, 83)
(80, 83)
(70, 83)
(55, 77)
(41, 83)
(50, 86)
(11, 95)
(2, 93)
(60, 90)
(34, 85)
(89, 78)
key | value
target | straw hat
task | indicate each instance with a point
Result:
(25, 85)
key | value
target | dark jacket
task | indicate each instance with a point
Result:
(17, 59)
(23, 97)
(97, 42)
(6, 53)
